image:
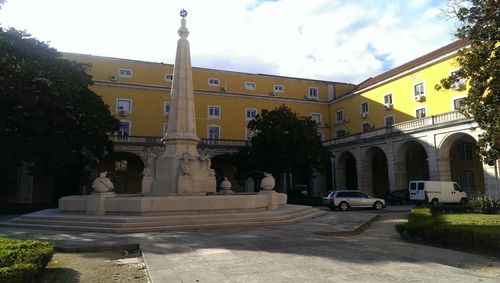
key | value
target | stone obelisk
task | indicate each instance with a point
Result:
(180, 170)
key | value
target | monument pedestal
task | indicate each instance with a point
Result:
(96, 203)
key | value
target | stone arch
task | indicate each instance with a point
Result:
(347, 171)
(376, 173)
(125, 171)
(223, 165)
(459, 161)
(411, 163)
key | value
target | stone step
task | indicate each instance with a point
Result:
(117, 224)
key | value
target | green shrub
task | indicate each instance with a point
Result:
(485, 204)
(22, 261)
(477, 232)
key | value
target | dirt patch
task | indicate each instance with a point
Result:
(104, 266)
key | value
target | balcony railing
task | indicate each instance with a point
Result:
(403, 127)
(123, 139)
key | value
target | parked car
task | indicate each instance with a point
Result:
(398, 196)
(346, 199)
(436, 192)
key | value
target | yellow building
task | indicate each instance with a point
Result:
(387, 130)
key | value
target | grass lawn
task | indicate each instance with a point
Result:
(479, 223)
(465, 231)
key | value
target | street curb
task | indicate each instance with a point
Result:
(129, 247)
(351, 233)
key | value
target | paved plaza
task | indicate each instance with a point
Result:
(330, 248)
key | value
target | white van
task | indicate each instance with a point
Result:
(436, 192)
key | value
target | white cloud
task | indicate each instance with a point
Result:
(334, 40)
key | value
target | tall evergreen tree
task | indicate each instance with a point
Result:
(479, 23)
(49, 117)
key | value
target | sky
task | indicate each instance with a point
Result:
(334, 40)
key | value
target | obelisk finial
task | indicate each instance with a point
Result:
(183, 31)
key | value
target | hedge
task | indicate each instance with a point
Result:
(424, 226)
(23, 260)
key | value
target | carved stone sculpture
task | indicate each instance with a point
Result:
(267, 182)
(102, 184)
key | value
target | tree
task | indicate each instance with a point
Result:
(49, 118)
(480, 65)
(283, 143)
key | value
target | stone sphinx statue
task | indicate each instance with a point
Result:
(102, 184)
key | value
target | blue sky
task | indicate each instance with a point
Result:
(335, 40)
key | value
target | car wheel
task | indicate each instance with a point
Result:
(378, 205)
(464, 201)
(344, 206)
(435, 202)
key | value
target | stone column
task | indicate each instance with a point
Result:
(400, 175)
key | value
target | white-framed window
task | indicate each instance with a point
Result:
(313, 93)
(250, 113)
(388, 99)
(213, 82)
(421, 112)
(459, 83)
(419, 89)
(250, 85)
(339, 116)
(364, 108)
(125, 130)
(389, 120)
(213, 112)
(341, 132)
(121, 165)
(316, 117)
(123, 106)
(169, 77)
(125, 73)
(249, 133)
(213, 132)
(165, 129)
(366, 126)
(457, 102)
(279, 88)
(166, 108)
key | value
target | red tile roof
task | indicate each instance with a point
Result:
(414, 63)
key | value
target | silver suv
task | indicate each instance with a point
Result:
(347, 199)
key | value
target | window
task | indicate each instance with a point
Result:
(366, 126)
(169, 77)
(250, 113)
(342, 132)
(313, 93)
(249, 133)
(125, 73)
(364, 108)
(165, 129)
(388, 99)
(339, 116)
(214, 132)
(250, 85)
(213, 82)
(419, 90)
(316, 117)
(121, 165)
(420, 113)
(166, 108)
(466, 179)
(389, 121)
(464, 151)
(278, 88)
(213, 112)
(124, 130)
(458, 103)
(124, 105)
